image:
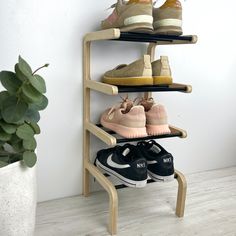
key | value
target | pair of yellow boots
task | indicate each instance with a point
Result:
(140, 72)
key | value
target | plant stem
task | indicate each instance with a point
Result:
(46, 65)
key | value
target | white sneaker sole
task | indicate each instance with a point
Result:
(159, 178)
(122, 179)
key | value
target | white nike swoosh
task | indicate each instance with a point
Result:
(151, 162)
(115, 165)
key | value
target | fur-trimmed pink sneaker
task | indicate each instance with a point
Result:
(156, 117)
(126, 120)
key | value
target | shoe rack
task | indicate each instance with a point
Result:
(109, 137)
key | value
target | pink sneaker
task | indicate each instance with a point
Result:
(156, 117)
(126, 120)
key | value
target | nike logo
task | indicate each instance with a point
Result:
(167, 160)
(151, 162)
(113, 164)
(141, 165)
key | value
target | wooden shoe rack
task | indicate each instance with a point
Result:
(109, 137)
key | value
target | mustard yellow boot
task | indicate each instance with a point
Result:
(161, 71)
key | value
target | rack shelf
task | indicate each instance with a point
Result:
(109, 137)
(175, 132)
(116, 34)
(156, 38)
(114, 90)
(149, 181)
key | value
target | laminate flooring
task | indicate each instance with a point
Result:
(150, 211)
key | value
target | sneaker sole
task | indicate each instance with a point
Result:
(168, 30)
(138, 28)
(162, 80)
(135, 28)
(159, 178)
(122, 179)
(158, 129)
(128, 81)
(124, 131)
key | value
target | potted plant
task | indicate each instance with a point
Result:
(20, 104)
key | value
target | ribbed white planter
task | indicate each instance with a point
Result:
(17, 200)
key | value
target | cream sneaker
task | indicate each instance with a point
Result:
(132, 15)
(161, 71)
(156, 117)
(126, 120)
(134, 74)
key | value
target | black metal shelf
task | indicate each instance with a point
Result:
(152, 38)
(155, 88)
(120, 186)
(119, 139)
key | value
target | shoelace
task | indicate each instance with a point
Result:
(147, 103)
(142, 99)
(125, 2)
(144, 143)
(126, 105)
(114, 4)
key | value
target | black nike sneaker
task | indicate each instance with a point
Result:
(160, 162)
(124, 163)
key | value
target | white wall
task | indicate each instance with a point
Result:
(51, 31)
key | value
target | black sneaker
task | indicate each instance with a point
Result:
(124, 163)
(160, 162)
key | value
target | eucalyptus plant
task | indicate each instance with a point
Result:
(20, 104)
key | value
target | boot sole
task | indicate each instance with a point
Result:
(162, 80)
(128, 81)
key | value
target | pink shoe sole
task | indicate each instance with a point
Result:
(158, 129)
(124, 131)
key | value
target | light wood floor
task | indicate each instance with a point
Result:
(210, 210)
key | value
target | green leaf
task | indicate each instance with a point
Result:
(29, 158)
(35, 127)
(2, 164)
(24, 67)
(14, 157)
(31, 94)
(38, 83)
(19, 74)
(30, 144)
(13, 109)
(25, 132)
(4, 136)
(18, 147)
(1, 144)
(3, 95)
(19, 122)
(8, 128)
(4, 157)
(15, 139)
(10, 81)
(40, 105)
(32, 115)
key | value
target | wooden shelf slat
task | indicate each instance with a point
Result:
(101, 134)
(114, 90)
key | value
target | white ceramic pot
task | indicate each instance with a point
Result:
(17, 200)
